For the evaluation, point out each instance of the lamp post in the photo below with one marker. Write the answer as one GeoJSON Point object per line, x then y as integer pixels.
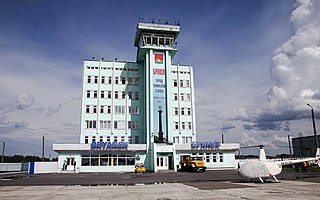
{"type": "Point", "coordinates": [290, 145]}
{"type": "Point", "coordinates": [43, 147]}
{"type": "Point", "coordinates": [3, 146]}
{"type": "Point", "coordinates": [314, 127]}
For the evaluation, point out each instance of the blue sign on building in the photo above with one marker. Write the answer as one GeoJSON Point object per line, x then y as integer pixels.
{"type": "Point", "coordinates": [214, 144]}
{"type": "Point", "coordinates": [109, 145]}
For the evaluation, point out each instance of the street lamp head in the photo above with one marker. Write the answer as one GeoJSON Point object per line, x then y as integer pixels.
{"type": "Point", "coordinates": [309, 105]}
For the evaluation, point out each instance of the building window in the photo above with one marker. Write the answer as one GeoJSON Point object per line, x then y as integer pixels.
{"type": "Point", "coordinates": [119, 125]}
{"type": "Point", "coordinates": [175, 97]}
{"type": "Point", "coordinates": [91, 124]}
{"type": "Point", "coordinates": [88, 93]}
{"type": "Point", "coordinates": [116, 80]}
{"type": "Point", "coordinates": [183, 126]}
{"type": "Point", "coordinates": [95, 79]}
{"type": "Point", "coordinates": [182, 97]}
{"type": "Point", "coordinates": [108, 160]}
{"type": "Point", "coordinates": [187, 83]}
{"type": "Point", "coordinates": [89, 79]}
{"type": "Point", "coordinates": [134, 110]}
{"type": "Point", "coordinates": [109, 80]}
{"type": "Point", "coordinates": [214, 157]}
{"type": "Point", "coordinates": [220, 157]}
{"type": "Point", "coordinates": [136, 139]}
{"type": "Point", "coordinates": [86, 139]}
{"type": "Point", "coordinates": [105, 124]}
{"type": "Point", "coordinates": [93, 138]}
{"type": "Point", "coordinates": [108, 139]}
{"type": "Point", "coordinates": [183, 140]}
{"type": "Point", "coordinates": [109, 94]}
{"type": "Point", "coordinates": [109, 109]}
{"type": "Point", "coordinates": [102, 94]}
{"type": "Point", "coordinates": [176, 111]}
{"type": "Point", "coordinates": [122, 138]}
{"type": "Point", "coordinates": [188, 97]}
{"type": "Point", "coordinates": [120, 109]}
{"type": "Point", "coordinates": [207, 157]}
{"type": "Point", "coordinates": [123, 80]}
{"type": "Point", "coordinates": [182, 111]}
{"type": "Point", "coordinates": [95, 94]}
{"type": "Point", "coordinates": [94, 109]}
{"type": "Point", "coordinates": [87, 109]}
{"type": "Point", "coordinates": [181, 83]}
{"type": "Point", "coordinates": [103, 79]}
{"type": "Point", "coordinates": [123, 95]}
{"type": "Point", "coordinates": [176, 125]}
{"type": "Point", "coordinates": [175, 83]}
{"type": "Point", "coordinates": [133, 125]}
{"type": "Point", "coordinates": [101, 139]}
{"type": "Point", "coordinates": [130, 140]}
{"type": "Point", "coordinates": [133, 95]}
{"type": "Point", "coordinates": [189, 111]}
{"type": "Point", "coordinates": [189, 125]}
{"type": "Point", "coordinates": [116, 95]}
{"type": "Point", "coordinates": [176, 140]}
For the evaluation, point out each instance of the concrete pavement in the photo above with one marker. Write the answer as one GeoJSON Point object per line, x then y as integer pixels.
{"type": "Point", "coordinates": [167, 191]}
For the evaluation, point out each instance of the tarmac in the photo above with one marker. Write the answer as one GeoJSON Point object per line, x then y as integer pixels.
{"type": "Point", "coordinates": [166, 191]}
{"type": "Point", "coordinates": [211, 185]}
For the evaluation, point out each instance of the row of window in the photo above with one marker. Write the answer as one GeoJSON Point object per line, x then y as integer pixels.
{"type": "Point", "coordinates": [116, 68]}
{"type": "Point", "coordinates": [214, 157]}
{"type": "Point", "coordinates": [157, 40]}
{"type": "Point", "coordinates": [117, 80]}
{"type": "Point", "coordinates": [184, 126]}
{"type": "Point", "coordinates": [182, 140]}
{"type": "Point", "coordinates": [129, 139]}
{"type": "Point", "coordinates": [183, 83]}
{"type": "Point", "coordinates": [134, 110]}
{"type": "Point", "coordinates": [184, 111]}
{"type": "Point", "coordinates": [132, 69]}
{"type": "Point", "coordinates": [108, 160]}
{"type": "Point", "coordinates": [104, 94]}
{"type": "Point", "coordinates": [106, 124]}
{"type": "Point", "coordinates": [183, 97]}
{"type": "Point", "coordinates": [181, 72]}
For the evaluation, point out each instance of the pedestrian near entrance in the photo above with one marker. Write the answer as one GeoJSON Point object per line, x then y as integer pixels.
{"type": "Point", "coordinates": [64, 165]}
{"type": "Point", "coordinates": [74, 165]}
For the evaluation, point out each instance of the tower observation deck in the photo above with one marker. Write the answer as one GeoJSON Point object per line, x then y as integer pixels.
{"type": "Point", "coordinates": [160, 37]}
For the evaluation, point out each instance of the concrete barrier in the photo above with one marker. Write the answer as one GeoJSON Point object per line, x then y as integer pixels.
{"type": "Point", "coordinates": [13, 167]}
{"type": "Point", "coordinates": [43, 167]}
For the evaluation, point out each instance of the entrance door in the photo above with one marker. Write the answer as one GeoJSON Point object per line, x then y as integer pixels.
{"type": "Point", "coordinates": [162, 163]}
{"type": "Point", "coordinates": [70, 164]}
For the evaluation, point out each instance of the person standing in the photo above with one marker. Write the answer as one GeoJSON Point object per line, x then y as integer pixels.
{"type": "Point", "coordinates": [74, 165]}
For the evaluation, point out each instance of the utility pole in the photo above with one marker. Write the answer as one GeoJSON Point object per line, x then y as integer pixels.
{"type": "Point", "coordinates": [289, 146]}
{"type": "Point", "coordinates": [314, 127]}
{"type": "Point", "coordinates": [43, 147]}
{"type": "Point", "coordinates": [3, 147]}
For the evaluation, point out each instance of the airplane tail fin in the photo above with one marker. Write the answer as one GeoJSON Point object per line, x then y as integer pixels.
{"type": "Point", "coordinates": [318, 153]}
{"type": "Point", "coordinates": [262, 155]}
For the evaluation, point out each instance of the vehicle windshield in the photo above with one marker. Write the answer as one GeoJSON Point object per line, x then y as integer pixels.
{"type": "Point", "coordinates": [196, 158]}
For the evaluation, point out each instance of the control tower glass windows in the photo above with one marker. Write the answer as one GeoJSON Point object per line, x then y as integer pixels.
{"type": "Point", "coordinates": [149, 39]}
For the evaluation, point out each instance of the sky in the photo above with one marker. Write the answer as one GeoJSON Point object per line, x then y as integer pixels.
{"type": "Point", "coordinates": [256, 64]}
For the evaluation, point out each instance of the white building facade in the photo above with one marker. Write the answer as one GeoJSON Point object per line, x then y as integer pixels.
{"type": "Point", "coordinates": [140, 112]}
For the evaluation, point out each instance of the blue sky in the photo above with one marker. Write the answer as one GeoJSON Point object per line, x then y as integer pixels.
{"type": "Point", "coordinates": [255, 64]}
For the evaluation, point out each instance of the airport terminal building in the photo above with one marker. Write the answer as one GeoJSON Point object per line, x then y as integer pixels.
{"type": "Point", "coordinates": [140, 112]}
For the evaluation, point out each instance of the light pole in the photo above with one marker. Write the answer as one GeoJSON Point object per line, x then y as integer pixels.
{"type": "Point", "coordinates": [290, 145]}
{"type": "Point", "coordinates": [3, 146]}
{"type": "Point", "coordinates": [314, 127]}
{"type": "Point", "coordinates": [43, 147]}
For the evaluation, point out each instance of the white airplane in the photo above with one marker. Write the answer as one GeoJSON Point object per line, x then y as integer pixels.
{"type": "Point", "coordinates": [264, 168]}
